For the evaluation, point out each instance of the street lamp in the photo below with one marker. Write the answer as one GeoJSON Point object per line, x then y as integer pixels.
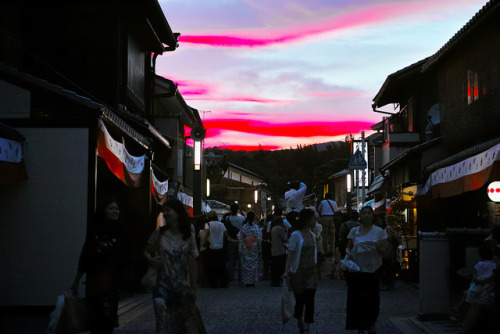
{"type": "Point", "coordinates": [494, 194]}
{"type": "Point", "coordinates": [348, 189]}
{"type": "Point", "coordinates": [197, 155]}
{"type": "Point", "coordinates": [197, 135]}
{"type": "Point", "coordinates": [256, 196]}
{"type": "Point", "coordinates": [208, 187]}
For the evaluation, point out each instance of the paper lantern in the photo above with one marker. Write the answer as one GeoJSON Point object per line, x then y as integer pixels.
{"type": "Point", "coordinates": [494, 191]}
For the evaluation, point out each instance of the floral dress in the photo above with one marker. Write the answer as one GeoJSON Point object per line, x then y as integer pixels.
{"type": "Point", "coordinates": [250, 243]}
{"type": "Point", "coordinates": [174, 299]}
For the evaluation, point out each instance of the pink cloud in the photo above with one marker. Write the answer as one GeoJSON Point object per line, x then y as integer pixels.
{"type": "Point", "coordinates": [229, 98]}
{"type": "Point", "coordinates": [292, 129]}
{"type": "Point", "coordinates": [351, 19]}
{"type": "Point", "coordinates": [335, 94]}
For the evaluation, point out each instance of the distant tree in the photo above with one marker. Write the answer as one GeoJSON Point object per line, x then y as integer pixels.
{"type": "Point", "coordinates": [305, 163]}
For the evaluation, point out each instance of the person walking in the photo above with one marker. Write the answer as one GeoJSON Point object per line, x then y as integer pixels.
{"type": "Point", "coordinates": [172, 250]}
{"type": "Point", "coordinates": [366, 244]}
{"type": "Point", "coordinates": [327, 209]}
{"type": "Point", "coordinates": [278, 250]}
{"type": "Point", "coordinates": [294, 196]}
{"type": "Point", "coordinates": [102, 258]}
{"type": "Point", "coordinates": [345, 228]}
{"type": "Point", "coordinates": [250, 237]}
{"type": "Point", "coordinates": [233, 225]}
{"type": "Point", "coordinates": [266, 247]}
{"type": "Point", "coordinates": [216, 231]}
{"type": "Point", "coordinates": [300, 268]}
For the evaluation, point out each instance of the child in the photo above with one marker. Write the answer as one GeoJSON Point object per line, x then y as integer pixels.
{"type": "Point", "coordinates": [481, 292]}
{"type": "Point", "coordinates": [481, 288]}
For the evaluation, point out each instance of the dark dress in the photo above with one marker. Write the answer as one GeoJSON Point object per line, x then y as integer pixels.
{"type": "Point", "coordinates": [101, 259]}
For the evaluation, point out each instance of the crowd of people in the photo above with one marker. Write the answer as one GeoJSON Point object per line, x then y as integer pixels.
{"type": "Point", "coordinates": [285, 246]}
{"type": "Point", "coordinates": [293, 245]}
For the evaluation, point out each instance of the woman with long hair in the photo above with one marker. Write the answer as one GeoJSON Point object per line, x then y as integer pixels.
{"type": "Point", "coordinates": [366, 244]}
{"type": "Point", "coordinates": [172, 251]}
{"type": "Point", "coordinates": [102, 259]}
{"type": "Point", "coordinates": [250, 237]}
{"type": "Point", "coordinates": [301, 268]}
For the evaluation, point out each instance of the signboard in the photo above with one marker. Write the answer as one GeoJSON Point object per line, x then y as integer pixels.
{"type": "Point", "coordinates": [357, 161]}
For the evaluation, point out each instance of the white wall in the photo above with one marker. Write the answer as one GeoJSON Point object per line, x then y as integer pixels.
{"type": "Point", "coordinates": [43, 219]}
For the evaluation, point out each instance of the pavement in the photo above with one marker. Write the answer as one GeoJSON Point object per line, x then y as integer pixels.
{"type": "Point", "coordinates": [248, 310]}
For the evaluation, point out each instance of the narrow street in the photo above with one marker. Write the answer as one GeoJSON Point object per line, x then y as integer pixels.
{"type": "Point", "coordinates": [240, 309]}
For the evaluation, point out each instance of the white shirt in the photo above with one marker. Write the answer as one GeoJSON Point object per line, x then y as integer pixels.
{"type": "Point", "coordinates": [295, 249]}
{"type": "Point", "coordinates": [285, 223]}
{"type": "Point", "coordinates": [294, 198]}
{"type": "Point", "coordinates": [217, 230]}
{"type": "Point", "coordinates": [325, 209]}
{"type": "Point", "coordinates": [364, 251]}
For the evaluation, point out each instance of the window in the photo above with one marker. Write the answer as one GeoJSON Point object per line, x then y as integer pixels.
{"type": "Point", "coordinates": [475, 87]}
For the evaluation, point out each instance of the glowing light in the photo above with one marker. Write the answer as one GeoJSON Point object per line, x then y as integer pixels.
{"type": "Point", "coordinates": [349, 183]}
{"type": "Point", "coordinates": [197, 155]}
{"type": "Point", "coordinates": [208, 187]}
{"type": "Point", "coordinates": [494, 191]}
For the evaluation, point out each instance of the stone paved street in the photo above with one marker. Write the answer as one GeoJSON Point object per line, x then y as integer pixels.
{"type": "Point", "coordinates": [240, 309]}
{"type": "Point", "coordinates": [244, 310]}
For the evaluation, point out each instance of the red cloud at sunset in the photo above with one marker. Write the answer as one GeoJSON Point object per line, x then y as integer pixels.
{"type": "Point", "coordinates": [296, 130]}
{"type": "Point", "coordinates": [251, 147]}
{"type": "Point", "coordinates": [196, 90]}
{"type": "Point", "coordinates": [237, 99]}
{"type": "Point", "coordinates": [352, 19]}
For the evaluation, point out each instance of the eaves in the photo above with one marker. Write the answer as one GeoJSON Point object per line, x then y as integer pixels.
{"type": "Point", "coordinates": [406, 154]}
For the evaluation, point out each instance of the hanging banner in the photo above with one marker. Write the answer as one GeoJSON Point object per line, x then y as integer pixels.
{"type": "Point", "coordinates": [467, 175]}
{"type": "Point", "coordinates": [123, 165]}
{"type": "Point", "coordinates": [187, 201]}
{"type": "Point", "coordinates": [159, 190]}
{"type": "Point", "coordinates": [12, 167]}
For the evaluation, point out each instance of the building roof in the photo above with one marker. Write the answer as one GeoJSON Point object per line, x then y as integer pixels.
{"type": "Point", "coordinates": [480, 16]}
{"type": "Point", "coordinates": [462, 155]}
{"type": "Point", "coordinates": [166, 93]}
{"type": "Point", "coordinates": [30, 82]}
{"type": "Point", "coordinates": [402, 157]}
{"type": "Point", "coordinates": [161, 26]}
{"type": "Point", "coordinates": [339, 174]}
{"type": "Point", "coordinates": [396, 84]}
{"type": "Point", "coordinates": [246, 171]}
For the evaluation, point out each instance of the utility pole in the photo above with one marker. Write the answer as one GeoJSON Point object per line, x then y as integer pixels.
{"type": "Point", "coordinates": [363, 173]}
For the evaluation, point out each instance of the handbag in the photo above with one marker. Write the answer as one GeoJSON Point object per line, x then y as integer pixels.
{"type": "Point", "coordinates": [71, 315]}
{"type": "Point", "coordinates": [287, 303]}
{"type": "Point", "coordinates": [75, 315]}
{"type": "Point", "coordinates": [347, 264]}
{"type": "Point", "coordinates": [151, 277]}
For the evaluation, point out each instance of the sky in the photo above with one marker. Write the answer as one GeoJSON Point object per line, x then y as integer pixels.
{"type": "Point", "coordinates": [276, 74]}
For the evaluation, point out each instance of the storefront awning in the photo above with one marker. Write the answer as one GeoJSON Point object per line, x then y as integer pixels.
{"type": "Point", "coordinates": [377, 183]}
{"type": "Point", "coordinates": [466, 175]}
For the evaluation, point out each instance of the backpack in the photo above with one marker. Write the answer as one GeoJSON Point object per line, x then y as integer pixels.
{"type": "Point", "coordinates": [232, 230]}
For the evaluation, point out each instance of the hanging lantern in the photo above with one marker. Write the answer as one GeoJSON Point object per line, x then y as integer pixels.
{"type": "Point", "coordinates": [494, 191]}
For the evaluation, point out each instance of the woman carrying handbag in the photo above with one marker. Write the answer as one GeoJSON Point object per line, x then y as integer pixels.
{"type": "Point", "coordinates": [174, 296]}
{"type": "Point", "coordinates": [300, 268]}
